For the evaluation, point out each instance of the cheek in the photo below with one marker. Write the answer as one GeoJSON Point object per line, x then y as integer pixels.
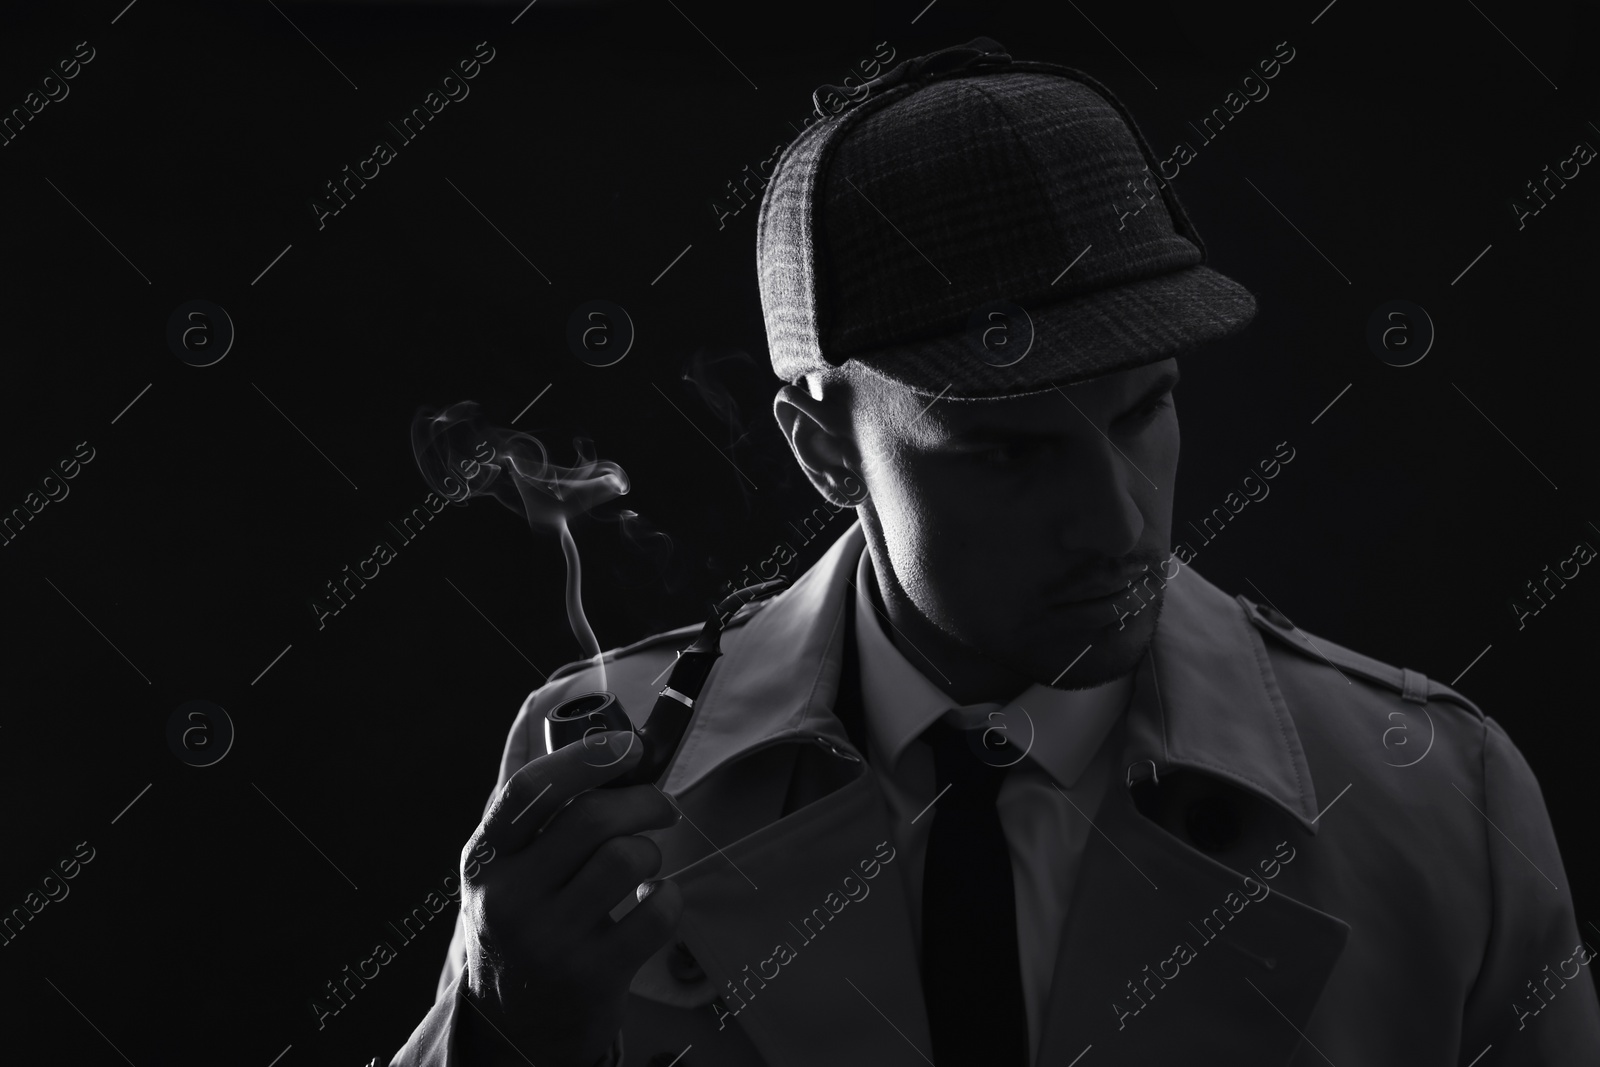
{"type": "Point", "coordinates": [1156, 453]}
{"type": "Point", "coordinates": [904, 516]}
{"type": "Point", "coordinates": [1172, 441]}
{"type": "Point", "coordinates": [948, 540]}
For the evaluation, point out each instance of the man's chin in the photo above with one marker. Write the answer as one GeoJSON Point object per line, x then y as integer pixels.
{"type": "Point", "coordinates": [1095, 657]}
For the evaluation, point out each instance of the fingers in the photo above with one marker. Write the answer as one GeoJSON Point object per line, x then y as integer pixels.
{"type": "Point", "coordinates": [595, 817]}
{"type": "Point", "coordinates": [540, 787]}
{"type": "Point", "coordinates": [610, 875]}
{"type": "Point", "coordinates": [640, 933]}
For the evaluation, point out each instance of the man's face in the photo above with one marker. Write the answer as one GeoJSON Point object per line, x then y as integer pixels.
{"type": "Point", "coordinates": [1015, 526]}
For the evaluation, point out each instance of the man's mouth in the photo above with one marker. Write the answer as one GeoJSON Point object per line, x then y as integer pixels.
{"type": "Point", "coordinates": [1103, 592]}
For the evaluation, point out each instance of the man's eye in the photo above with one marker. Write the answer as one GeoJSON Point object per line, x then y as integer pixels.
{"type": "Point", "coordinates": [1004, 454]}
{"type": "Point", "coordinates": [1150, 410]}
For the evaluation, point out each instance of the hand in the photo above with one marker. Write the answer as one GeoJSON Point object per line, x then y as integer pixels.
{"type": "Point", "coordinates": [546, 966]}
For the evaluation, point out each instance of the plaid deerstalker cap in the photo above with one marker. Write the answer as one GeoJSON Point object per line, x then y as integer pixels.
{"type": "Point", "coordinates": [964, 228]}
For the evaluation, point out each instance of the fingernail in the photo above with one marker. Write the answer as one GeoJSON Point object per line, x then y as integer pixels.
{"type": "Point", "coordinates": [645, 889]}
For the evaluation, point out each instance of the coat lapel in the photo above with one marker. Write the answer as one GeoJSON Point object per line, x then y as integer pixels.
{"type": "Point", "coordinates": [1169, 956]}
{"type": "Point", "coordinates": [803, 930]}
{"type": "Point", "coordinates": [794, 905]}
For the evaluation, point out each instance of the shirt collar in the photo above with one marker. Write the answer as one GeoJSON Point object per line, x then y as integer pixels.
{"type": "Point", "coordinates": [1067, 726]}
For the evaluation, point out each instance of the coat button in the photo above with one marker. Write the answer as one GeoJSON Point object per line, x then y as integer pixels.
{"type": "Point", "coordinates": [1268, 962]}
{"type": "Point", "coordinates": [682, 965]}
{"type": "Point", "coordinates": [1212, 823]}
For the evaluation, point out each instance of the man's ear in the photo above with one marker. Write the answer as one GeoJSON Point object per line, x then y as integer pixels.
{"type": "Point", "coordinates": [822, 438]}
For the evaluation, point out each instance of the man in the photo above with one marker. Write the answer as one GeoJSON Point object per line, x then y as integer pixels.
{"type": "Point", "coordinates": [1001, 779]}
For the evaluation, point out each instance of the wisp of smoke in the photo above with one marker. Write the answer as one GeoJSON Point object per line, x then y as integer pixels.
{"type": "Point", "coordinates": [462, 455]}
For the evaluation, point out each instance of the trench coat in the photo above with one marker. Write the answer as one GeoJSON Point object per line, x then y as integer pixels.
{"type": "Point", "coordinates": [1307, 857]}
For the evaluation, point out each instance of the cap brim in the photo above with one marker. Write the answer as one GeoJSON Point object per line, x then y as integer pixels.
{"type": "Point", "coordinates": [1073, 340]}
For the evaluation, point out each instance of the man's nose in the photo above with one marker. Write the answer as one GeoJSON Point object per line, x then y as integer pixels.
{"type": "Point", "coordinates": [1102, 516]}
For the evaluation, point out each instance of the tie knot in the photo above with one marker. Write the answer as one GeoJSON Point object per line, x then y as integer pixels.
{"type": "Point", "coordinates": [970, 758]}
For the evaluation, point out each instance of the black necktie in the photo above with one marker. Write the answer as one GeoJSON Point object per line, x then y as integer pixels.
{"type": "Point", "coordinates": [971, 974]}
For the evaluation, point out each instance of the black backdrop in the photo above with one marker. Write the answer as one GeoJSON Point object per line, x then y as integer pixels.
{"type": "Point", "coordinates": [183, 560]}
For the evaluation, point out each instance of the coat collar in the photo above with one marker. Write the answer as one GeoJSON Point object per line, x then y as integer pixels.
{"type": "Point", "coordinates": [1207, 698]}
{"type": "Point", "coordinates": [761, 868]}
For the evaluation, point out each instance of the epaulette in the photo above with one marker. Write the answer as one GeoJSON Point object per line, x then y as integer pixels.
{"type": "Point", "coordinates": [681, 634]}
{"type": "Point", "coordinates": [1413, 686]}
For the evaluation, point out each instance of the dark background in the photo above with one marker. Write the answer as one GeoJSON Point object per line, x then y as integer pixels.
{"type": "Point", "coordinates": [595, 140]}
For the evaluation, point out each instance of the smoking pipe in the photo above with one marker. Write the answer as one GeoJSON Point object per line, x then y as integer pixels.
{"type": "Point", "coordinates": [573, 720]}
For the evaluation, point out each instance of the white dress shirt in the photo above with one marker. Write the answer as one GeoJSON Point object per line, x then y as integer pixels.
{"type": "Point", "coordinates": [1045, 830]}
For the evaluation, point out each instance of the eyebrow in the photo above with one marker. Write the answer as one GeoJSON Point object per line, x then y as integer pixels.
{"type": "Point", "coordinates": [1161, 386]}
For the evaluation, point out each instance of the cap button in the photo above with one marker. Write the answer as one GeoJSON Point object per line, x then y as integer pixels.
{"type": "Point", "coordinates": [978, 52]}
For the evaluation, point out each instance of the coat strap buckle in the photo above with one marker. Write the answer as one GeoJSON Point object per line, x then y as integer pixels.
{"type": "Point", "coordinates": [1154, 777]}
